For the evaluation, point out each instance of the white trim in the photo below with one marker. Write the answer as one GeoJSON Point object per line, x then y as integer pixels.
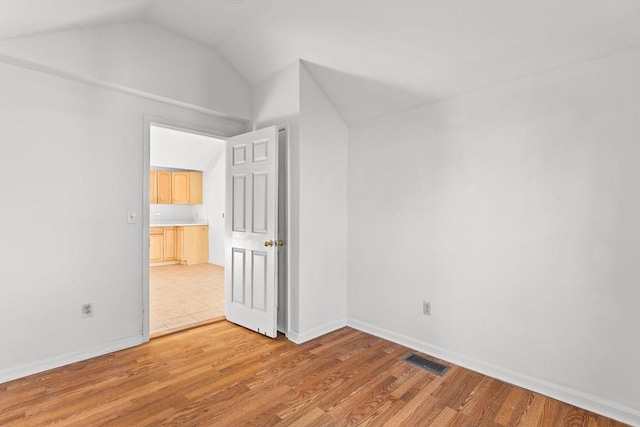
{"type": "Point", "coordinates": [565, 394]}
{"type": "Point", "coordinates": [299, 338]}
{"type": "Point", "coordinates": [189, 127]}
{"type": "Point", "coordinates": [290, 334]}
{"type": "Point", "coordinates": [34, 66]}
{"type": "Point", "coordinates": [58, 361]}
{"type": "Point", "coordinates": [146, 242]}
{"type": "Point", "coordinates": [285, 128]}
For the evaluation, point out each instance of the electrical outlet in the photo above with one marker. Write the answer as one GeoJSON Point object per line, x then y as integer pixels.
{"type": "Point", "coordinates": [426, 308]}
{"type": "Point", "coordinates": [87, 310]}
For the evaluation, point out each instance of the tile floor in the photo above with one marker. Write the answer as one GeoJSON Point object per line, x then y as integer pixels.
{"type": "Point", "coordinates": [180, 296]}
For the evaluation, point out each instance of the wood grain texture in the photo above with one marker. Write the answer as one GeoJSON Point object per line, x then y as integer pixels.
{"type": "Point", "coordinates": [153, 187]}
{"type": "Point", "coordinates": [195, 188]}
{"type": "Point", "coordinates": [224, 375]}
{"type": "Point", "coordinates": [195, 247]}
{"type": "Point", "coordinates": [180, 188]}
{"type": "Point", "coordinates": [163, 181]}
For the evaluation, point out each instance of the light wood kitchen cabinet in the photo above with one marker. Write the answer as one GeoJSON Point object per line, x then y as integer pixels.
{"type": "Point", "coordinates": [193, 247]}
{"type": "Point", "coordinates": [156, 244]}
{"type": "Point", "coordinates": [195, 188]}
{"type": "Point", "coordinates": [169, 243]}
{"type": "Point", "coordinates": [196, 245]}
{"type": "Point", "coordinates": [164, 189]}
{"type": "Point", "coordinates": [153, 187]}
{"type": "Point", "coordinates": [180, 243]}
{"type": "Point", "coordinates": [186, 245]}
{"type": "Point", "coordinates": [180, 188]}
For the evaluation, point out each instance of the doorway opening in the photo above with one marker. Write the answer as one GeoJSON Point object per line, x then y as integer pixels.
{"type": "Point", "coordinates": [187, 217]}
{"type": "Point", "coordinates": [186, 228]}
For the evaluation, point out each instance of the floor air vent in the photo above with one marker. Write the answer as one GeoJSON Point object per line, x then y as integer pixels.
{"type": "Point", "coordinates": [429, 365]}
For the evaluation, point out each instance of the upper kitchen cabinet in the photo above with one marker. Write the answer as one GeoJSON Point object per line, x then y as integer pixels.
{"type": "Point", "coordinates": [153, 187]}
{"type": "Point", "coordinates": [180, 188]}
{"type": "Point", "coordinates": [175, 187]}
{"type": "Point", "coordinates": [164, 187]}
{"type": "Point", "coordinates": [195, 188]}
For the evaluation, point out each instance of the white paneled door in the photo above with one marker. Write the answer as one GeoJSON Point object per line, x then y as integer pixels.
{"type": "Point", "coordinates": [251, 231]}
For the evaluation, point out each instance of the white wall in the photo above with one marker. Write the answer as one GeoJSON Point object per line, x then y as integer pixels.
{"type": "Point", "coordinates": [141, 56]}
{"type": "Point", "coordinates": [71, 167]}
{"type": "Point", "coordinates": [317, 198]}
{"type": "Point", "coordinates": [179, 149]}
{"type": "Point", "coordinates": [515, 211]}
{"type": "Point", "coordinates": [164, 212]}
{"type": "Point", "coordinates": [276, 101]}
{"type": "Point", "coordinates": [323, 212]}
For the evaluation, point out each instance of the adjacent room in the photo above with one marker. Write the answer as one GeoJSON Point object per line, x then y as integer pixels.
{"type": "Point", "coordinates": [186, 235]}
{"type": "Point", "coordinates": [403, 184]}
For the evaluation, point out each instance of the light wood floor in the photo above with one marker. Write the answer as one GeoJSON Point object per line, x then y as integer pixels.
{"type": "Point", "coordinates": [223, 375]}
{"type": "Point", "coordinates": [181, 296]}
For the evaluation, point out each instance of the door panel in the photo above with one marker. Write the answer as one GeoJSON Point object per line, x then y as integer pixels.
{"type": "Point", "coordinates": [260, 206]}
{"type": "Point", "coordinates": [238, 277]}
{"type": "Point", "coordinates": [252, 221]}
{"type": "Point", "coordinates": [239, 155]}
{"type": "Point", "coordinates": [239, 202]}
{"type": "Point", "coordinates": [259, 280]}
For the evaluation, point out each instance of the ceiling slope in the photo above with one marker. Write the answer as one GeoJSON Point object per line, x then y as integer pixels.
{"type": "Point", "coordinates": [371, 57]}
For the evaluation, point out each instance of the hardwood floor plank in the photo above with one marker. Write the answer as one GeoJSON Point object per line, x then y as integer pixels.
{"type": "Point", "coordinates": [533, 411]}
{"type": "Point", "coordinates": [466, 382]}
{"type": "Point", "coordinates": [324, 388]}
{"type": "Point", "coordinates": [514, 406]}
{"type": "Point", "coordinates": [364, 401]}
{"type": "Point", "coordinates": [425, 412]}
{"type": "Point", "coordinates": [308, 418]}
{"type": "Point", "coordinates": [225, 375]}
{"type": "Point", "coordinates": [489, 404]}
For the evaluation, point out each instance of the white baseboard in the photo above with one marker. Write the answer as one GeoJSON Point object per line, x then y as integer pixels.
{"type": "Point", "coordinates": [301, 337]}
{"type": "Point", "coordinates": [574, 397]}
{"type": "Point", "coordinates": [58, 361]}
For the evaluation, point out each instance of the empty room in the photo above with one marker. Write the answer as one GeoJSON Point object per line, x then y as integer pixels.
{"type": "Point", "coordinates": [320, 213]}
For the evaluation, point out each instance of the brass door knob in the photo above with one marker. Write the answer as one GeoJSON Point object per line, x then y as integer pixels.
{"type": "Point", "coordinates": [268, 243]}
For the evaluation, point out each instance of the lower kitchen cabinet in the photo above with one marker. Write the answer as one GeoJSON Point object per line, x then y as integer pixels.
{"type": "Point", "coordinates": [156, 244]}
{"type": "Point", "coordinates": [179, 243]}
{"type": "Point", "coordinates": [169, 243]}
{"type": "Point", "coordinates": [186, 245]}
{"type": "Point", "coordinates": [195, 245]}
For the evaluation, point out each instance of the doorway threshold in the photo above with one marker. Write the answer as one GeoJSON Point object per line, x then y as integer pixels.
{"type": "Point", "coordinates": [186, 327]}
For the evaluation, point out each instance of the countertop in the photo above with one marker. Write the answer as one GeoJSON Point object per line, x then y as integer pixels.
{"type": "Point", "coordinates": [177, 223]}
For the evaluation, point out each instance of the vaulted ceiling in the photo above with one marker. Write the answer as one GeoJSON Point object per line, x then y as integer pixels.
{"type": "Point", "coordinates": [370, 57]}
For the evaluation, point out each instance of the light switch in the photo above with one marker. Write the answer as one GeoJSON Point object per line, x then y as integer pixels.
{"type": "Point", "coordinates": [131, 217]}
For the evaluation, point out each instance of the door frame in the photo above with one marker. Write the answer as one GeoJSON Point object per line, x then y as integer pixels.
{"type": "Point", "coordinates": [284, 203]}
{"type": "Point", "coordinates": [146, 168]}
